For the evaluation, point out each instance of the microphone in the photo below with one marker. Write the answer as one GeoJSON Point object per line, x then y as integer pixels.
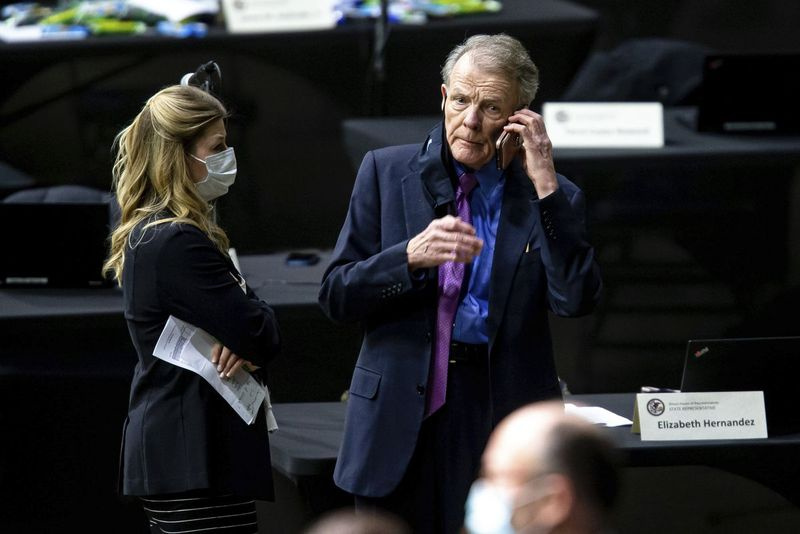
{"type": "Point", "coordinates": [207, 77]}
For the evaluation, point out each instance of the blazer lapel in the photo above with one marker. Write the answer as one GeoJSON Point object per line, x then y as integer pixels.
{"type": "Point", "coordinates": [427, 189]}
{"type": "Point", "coordinates": [517, 219]}
{"type": "Point", "coordinates": [418, 206]}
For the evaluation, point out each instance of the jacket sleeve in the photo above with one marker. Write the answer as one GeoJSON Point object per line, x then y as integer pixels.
{"type": "Point", "coordinates": [574, 283]}
{"type": "Point", "coordinates": [366, 276]}
{"type": "Point", "coordinates": [196, 284]}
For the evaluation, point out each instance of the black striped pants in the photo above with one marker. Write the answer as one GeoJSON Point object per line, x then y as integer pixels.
{"type": "Point", "coordinates": [200, 512]}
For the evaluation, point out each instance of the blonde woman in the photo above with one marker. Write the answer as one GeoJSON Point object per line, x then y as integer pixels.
{"type": "Point", "coordinates": [193, 462]}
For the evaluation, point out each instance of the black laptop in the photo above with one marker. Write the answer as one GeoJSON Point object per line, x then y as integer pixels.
{"type": "Point", "coordinates": [767, 364]}
{"type": "Point", "coordinates": [753, 93]}
{"type": "Point", "coordinates": [53, 244]}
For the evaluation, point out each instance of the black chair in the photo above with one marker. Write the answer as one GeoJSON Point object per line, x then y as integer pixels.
{"type": "Point", "coordinates": [641, 70]}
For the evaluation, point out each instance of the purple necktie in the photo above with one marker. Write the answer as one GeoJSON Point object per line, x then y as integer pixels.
{"type": "Point", "coordinates": [450, 276]}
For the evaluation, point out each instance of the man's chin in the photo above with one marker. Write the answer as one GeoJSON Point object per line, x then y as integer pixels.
{"type": "Point", "coordinates": [470, 158]}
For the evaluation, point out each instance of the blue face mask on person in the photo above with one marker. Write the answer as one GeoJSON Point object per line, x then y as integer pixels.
{"type": "Point", "coordinates": [221, 169]}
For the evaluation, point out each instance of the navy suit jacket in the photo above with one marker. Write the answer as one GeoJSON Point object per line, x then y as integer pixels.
{"type": "Point", "coordinates": [542, 263]}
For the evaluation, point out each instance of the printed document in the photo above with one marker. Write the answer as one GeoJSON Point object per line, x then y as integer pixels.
{"type": "Point", "coordinates": [189, 347]}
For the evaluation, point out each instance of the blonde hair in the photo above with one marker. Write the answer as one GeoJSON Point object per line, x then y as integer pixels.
{"type": "Point", "coordinates": [151, 174]}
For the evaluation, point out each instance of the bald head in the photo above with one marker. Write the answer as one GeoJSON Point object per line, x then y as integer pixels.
{"type": "Point", "coordinates": [541, 441]}
{"type": "Point", "coordinates": [347, 521]}
{"type": "Point", "coordinates": [517, 447]}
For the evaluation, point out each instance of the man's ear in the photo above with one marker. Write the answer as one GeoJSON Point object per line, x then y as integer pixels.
{"type": "Point", "coordinates": [552, 509]}
{"type": "Point", "coordinates": [444, 95]}
{"type": "Point", "coordinates": [561, 504]}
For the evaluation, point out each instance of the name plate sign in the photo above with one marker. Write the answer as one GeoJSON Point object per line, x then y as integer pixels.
{"type": "Point", "coordinates": [250, 16]}
{"type": "Point", "coordinates": [707, 415]}
{"type": "Point", "coordinates": [604, 125]}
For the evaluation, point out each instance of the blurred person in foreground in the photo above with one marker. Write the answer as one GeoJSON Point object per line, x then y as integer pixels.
{"type": "Point", "coordinates": [346, 521]}
{"type": "Point", "coordinates": [194, 463]}
{"type": "Point", "coordinates": [451, 263]}
{"type": "Point", "coordinates": [544, 471]}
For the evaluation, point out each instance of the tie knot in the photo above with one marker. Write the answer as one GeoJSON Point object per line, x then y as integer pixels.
{"type": "Point", "coordinates": [467, 182]}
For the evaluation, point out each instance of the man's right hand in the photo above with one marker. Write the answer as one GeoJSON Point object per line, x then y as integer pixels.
{"type": "Point", "coordinates": [445, 239]}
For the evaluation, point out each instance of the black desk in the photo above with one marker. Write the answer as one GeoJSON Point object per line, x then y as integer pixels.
{"type": "Point", "coordinates": [86, 331]}
{"type": "Point", "coordinates": [693, 174]}
{"type": "Point", "coordinates": [283, 88]}
{"type": "Point", "coordinates": [270, 277]}
{"type": "Point", "coordinates": [558, 32]}
{"type": "Point", "coordinates": [684, 145]}
{"type": "Point", "coordinates": [65, 367]}
{"type": "Point", "coordinates": [305, 448]}
{"type": "Point", "coordinates": [310, 433]}
{"type": "Point", "coordinates": [672, 227]}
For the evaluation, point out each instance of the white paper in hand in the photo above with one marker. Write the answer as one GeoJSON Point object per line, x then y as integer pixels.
{"type": "Point", "coordinates": [189, 347]}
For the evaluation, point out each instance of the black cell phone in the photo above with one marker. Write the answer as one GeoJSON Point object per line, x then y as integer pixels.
{"type": "Point", "coordinates": [507, 146]}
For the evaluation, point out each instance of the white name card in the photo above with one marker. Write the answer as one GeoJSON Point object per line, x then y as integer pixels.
{"type": "Point", "coordinates": [253, 16]}
{"type": "Point", "coordinates": [604, 125]}
{"type": "Point", "coordinates": [711, 415]}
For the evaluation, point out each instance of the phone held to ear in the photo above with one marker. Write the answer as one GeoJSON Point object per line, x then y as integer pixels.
{"type": "Point", "coordinates": [507, 146]}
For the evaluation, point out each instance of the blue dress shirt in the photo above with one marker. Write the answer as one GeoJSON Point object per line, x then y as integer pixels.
{"type": "Point", "coordinates": [485, 202]}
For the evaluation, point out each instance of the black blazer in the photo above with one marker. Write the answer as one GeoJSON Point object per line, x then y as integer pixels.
{"type": "Point", "coordinates": [542, 263]}
{"type": "Point", "coordinates": [180, 434]}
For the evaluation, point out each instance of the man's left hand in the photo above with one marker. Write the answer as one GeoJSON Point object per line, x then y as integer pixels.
{"type": "Point", "coordinates": [536, 151]}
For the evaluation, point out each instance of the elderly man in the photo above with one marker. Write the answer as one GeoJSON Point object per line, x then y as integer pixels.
{"type": "Point", "coordinates": [544, 472]}
{"type": "Point", "coordinates": [451, 265]}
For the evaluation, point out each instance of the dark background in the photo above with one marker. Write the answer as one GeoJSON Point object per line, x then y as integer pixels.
{"type": "Point", "coordinates": [668, 278]}
{"type": "Point", "coordinates": [686, 252]}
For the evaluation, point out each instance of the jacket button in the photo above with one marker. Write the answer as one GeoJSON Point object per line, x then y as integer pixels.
{"type": "Point", "coordinates": [420, 389]}
{"type": "Point", "coordinates": [428, 336]}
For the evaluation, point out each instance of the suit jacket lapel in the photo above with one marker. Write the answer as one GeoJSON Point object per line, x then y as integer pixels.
{"type": "Point", "coordinates": [517, 219]}
{"type": "Point", "coordinates": [418, 206]}
{"type": "Point", "coordinates": [427, 189]}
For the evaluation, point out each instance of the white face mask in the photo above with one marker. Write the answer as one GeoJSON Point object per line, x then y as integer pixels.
{"type": "Point", "coordinates": [490, 510]}
{"type": "Point", "coordinates": [221, 169]}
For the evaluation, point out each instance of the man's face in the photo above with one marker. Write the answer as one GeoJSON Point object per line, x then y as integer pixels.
{"type": "Point", "coordinates": [510, 465]}
{"type": "Point", "coordinates": [476, 106]}
{"type": "Point", "coordinates": [507, 468]}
